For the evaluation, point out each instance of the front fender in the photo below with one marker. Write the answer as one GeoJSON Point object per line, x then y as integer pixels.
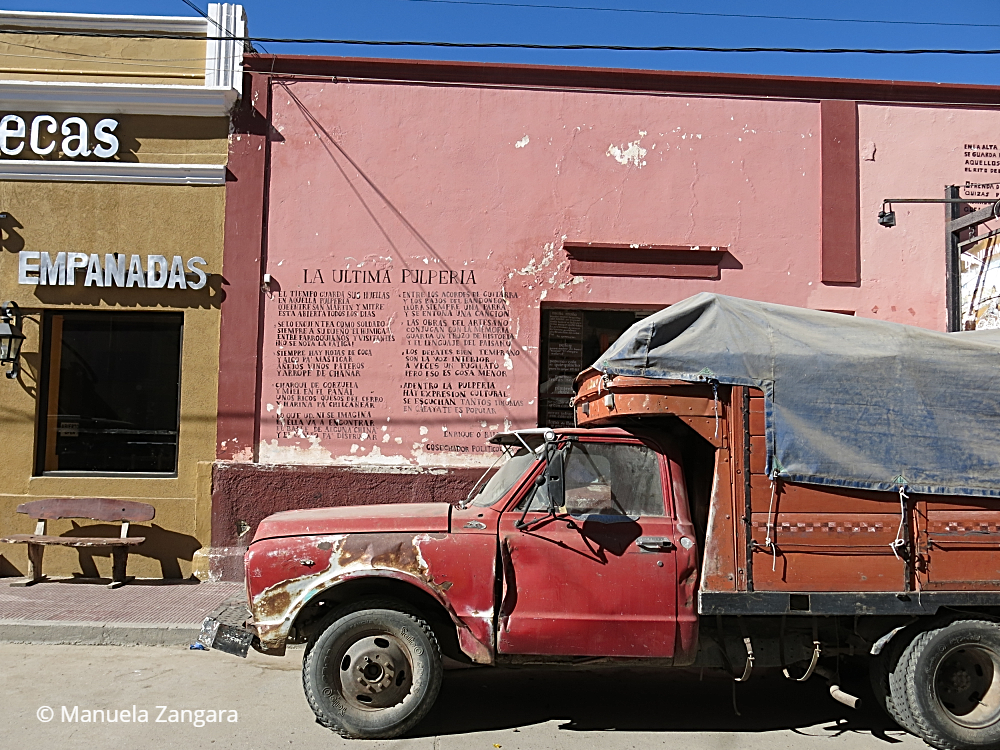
{"type": "Point", "coordinates": [437, 564]}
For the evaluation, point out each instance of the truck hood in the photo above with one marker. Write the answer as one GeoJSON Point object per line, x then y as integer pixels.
{"type": "Point", "coordinates": [402, 517]}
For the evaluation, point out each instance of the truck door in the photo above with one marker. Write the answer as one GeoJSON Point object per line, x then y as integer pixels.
{"type": "Point", "coordinates": [599, 578]}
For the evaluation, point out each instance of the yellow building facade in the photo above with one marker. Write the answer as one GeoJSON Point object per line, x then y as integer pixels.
{"type": "Point", "coordinates": [113, 145]}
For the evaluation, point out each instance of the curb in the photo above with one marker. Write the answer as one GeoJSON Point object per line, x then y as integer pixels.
{"type": "Point", "coordinates": [98, 633]}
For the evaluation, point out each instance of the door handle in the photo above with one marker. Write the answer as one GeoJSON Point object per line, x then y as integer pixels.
{"type": "Point", "coordinates": [655, 544]}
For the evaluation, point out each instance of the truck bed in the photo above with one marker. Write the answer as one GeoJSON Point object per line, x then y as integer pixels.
{"type": "Point", "coordinates": [796, 539]}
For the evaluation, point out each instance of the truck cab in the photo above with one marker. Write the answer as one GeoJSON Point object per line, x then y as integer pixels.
{"type": "Point", "coordinates": [579, 545]}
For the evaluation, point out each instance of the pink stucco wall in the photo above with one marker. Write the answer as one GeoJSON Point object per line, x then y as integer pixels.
{"type": "Point", "coordinates": [398, 179]}
{"type": "Point", "coordinates": [915, 151]}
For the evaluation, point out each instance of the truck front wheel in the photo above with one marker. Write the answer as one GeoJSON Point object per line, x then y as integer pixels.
{"type": "Point", "coordinates": [373, 672]}
{"type": "Point", "coordinates": [953, 685]}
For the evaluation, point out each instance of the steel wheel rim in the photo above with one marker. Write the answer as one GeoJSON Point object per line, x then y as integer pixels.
{"type": "Point", "coordinates": [966, 685]}
{"type": "Point", "coordinates": [374, 672]}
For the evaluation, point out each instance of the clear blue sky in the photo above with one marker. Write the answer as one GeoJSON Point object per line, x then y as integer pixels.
{"type": "Point", "coordinates": [449, 21]}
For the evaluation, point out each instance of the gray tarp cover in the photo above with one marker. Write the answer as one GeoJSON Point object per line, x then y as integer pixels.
{"type": "Point", "coordinates": [848, 401]}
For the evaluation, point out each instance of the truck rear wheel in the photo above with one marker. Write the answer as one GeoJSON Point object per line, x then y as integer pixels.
{"type": "Point", "coordinates": [373, 672]}
{"type": "Point", "coordinates": [953, 684]}
{"type": "Point", "coordinates": [879, 668]}
{"type": "Point", "coordinates": [897, 701]}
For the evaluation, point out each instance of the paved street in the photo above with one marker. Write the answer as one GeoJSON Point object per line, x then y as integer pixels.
{"type": "Point", "coordinates": [478, 708]}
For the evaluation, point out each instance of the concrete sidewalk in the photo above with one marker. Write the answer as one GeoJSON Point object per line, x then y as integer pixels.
{"type": "Point", "coordinates": [142, 612]}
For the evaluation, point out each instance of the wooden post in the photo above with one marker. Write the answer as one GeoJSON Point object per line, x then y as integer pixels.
{"type": "Point", "coordinates": [34, 565]}
{"type": "Point", "coordinates": [119, 561]}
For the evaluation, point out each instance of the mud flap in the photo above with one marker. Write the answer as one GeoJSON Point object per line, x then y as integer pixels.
{"type": "Point", "coordinates": [225, 638]}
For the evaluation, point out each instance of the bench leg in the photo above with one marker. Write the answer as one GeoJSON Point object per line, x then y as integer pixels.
{"type": "Point", "coordinates": [34, 565]}
{"type": "Point", "coordinates": [119, 561]}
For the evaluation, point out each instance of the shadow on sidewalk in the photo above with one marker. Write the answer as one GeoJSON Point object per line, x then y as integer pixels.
{"type": "Point", "coordinates": [616, 699]}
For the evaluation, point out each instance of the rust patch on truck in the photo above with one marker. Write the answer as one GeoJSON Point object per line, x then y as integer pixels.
{"type": "Point", "coordinates": [274, 602]}
{"type": "Point", "coordinates": [396, 551]}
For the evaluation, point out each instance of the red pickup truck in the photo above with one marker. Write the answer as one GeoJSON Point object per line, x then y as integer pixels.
{"type": "Point", "coordinates": [580, 548]}
{"type": "Point", "coordinates": [663, 531]}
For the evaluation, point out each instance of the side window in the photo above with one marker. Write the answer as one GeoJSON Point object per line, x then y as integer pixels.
{"type": "Point", "coordinates": [609, 479]}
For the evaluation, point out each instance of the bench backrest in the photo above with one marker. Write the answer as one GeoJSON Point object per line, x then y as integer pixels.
{"type": "Point", "coordinates": [94, 508]}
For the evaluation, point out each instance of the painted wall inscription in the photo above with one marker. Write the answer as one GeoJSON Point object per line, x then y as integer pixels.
{"type": "Point", "coordinates": [366, 363]}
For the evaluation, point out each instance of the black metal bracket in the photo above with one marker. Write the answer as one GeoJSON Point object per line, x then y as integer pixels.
{"type": "Point", "coordinates": [955, 222]}
{"type": "Point", "coordinates": [10, 318]}
{"type": "Point", "coordinates": [887, 217]}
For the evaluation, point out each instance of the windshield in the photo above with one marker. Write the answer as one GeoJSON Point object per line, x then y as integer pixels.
{"type": "Point", "coordinates": [505, 478]}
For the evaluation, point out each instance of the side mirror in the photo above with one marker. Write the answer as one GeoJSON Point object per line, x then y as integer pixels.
{"type": "Point", "coordinates": [553, 477]}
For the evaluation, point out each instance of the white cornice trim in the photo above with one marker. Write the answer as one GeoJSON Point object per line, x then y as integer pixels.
{"type": "Point", "coordinates": [100, 22]}
{"type": "Point", "coordinates": [116, 98]}
{"type": "Point", "coordinates": [16, 170]}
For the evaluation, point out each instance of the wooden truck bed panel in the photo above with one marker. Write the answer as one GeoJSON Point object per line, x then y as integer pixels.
{"type": "Point", "coordinates": [719, 566]}
{"type": "Point", "coordinates": [959, 548]}
{"type": "Point", "coordinates": [826, 552]}
{"type": "Point", "coordinates": [758, 455]}
{"type": "Point", "coordinates": [806, 498]}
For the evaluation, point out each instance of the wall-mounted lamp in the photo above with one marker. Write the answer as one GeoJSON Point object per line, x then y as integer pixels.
{"type": "Point", "coordinates": [11, 338]}
{"type": "Point", "coordinates": [887, 218]}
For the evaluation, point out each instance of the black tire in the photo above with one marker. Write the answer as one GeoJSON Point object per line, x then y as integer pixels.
{"type": "Point", "coordinates": [373, 671]}
{"type": "Point", "coordinates": [891, 681]}
{"type": "Point", "coordinates": [878, 673]}
{"type": "Point", "coordinates": [953, 685]}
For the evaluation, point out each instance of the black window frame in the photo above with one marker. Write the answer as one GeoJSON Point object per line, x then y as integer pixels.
{"type": "Point", "coordinates": [42, 432]}
{"type": "Point", "coordinates": [551, 406]}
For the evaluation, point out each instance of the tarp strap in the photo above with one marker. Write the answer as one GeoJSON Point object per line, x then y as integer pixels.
{"type": "Point", "coordinates": [769, 540]}
{"type": "Point", "coordinates": [900, 541]}
{"type": "Point", "coordinates": [748, 667]}
{"type": "Point", "coordinates": [715, 396]}
{"type": "Point", "coordinates": [817, 651]}
{"type": "Point", "coordinates": [750, 658]}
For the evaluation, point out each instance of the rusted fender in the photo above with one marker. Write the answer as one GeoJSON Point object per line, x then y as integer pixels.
{"type": "Point", "coordinates": [284, 574]}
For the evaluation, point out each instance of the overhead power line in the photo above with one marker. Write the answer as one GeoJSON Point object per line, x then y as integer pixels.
{"type": "Point", "coordinates": [215, 23]}
{"type": "Point", "coordinates": [630, 48]}
{"type": "Point", "coordinates": [541, 6]}
{"type": "Point", "coordinates": [513, 45]}
{"type": "Point", "coordinates": [199, 11]}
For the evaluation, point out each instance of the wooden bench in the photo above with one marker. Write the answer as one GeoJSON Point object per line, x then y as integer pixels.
{"type": "Point", "coordinates": [94, 508]}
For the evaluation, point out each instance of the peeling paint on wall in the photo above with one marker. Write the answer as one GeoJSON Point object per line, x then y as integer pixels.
{"type": "Point", "coordinates": [633, 153]}
{"type": "Point", "coordinates": [271, 452]}
{"type": "Point", "coordinates": [243, 456]}
{"type": "Point", "coordinates": [534, 267]}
